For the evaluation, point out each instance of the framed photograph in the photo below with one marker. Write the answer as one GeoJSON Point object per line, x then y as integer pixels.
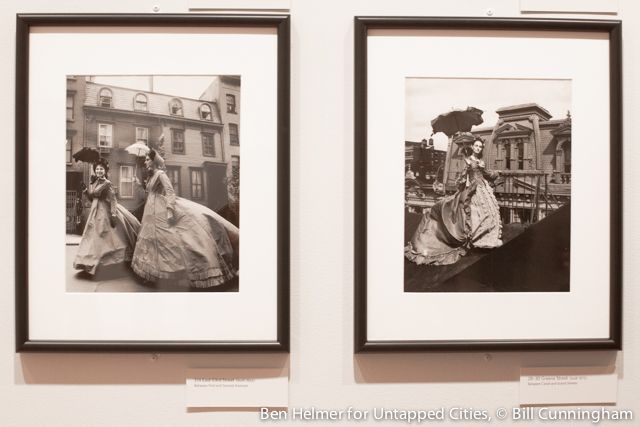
{"type": "Point", "coordinates": [488, 184]}
{"type": "Point", "coordinates": [156, 113]}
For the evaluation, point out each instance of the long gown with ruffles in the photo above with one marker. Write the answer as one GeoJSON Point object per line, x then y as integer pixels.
{"type": "Point", "coordinates": [103, 244]}
{"type": "Point", "coordinates": [469, 218]}
{"type": "Point", "coordinates": [181, 239]}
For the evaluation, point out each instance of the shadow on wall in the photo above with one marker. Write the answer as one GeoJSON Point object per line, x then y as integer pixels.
{"type": "Point", "coordinates": [143, 368]}
{"type": "Point", "coordinates": [467, 367]}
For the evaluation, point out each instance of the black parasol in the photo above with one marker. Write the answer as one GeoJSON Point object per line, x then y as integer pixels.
{"type": "Point", "coordinates": [457, 121]}
{"type": "Point", "coordinates": [87, 154]}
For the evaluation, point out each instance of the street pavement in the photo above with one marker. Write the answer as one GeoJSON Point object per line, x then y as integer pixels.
{"type": "Point", "coordinates": [121, 278]}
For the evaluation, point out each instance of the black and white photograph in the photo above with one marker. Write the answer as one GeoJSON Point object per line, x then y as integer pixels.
{"type": "Point", "coordinates": [152, 183]}
{"type": "Point", "coordinates": [148, 185]}
{"type": "Point", "coordinates": [487, 185]}
{"type": "Point", "coordinates": [479, 224]}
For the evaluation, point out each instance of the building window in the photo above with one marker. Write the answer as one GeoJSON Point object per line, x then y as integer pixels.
{"type": "Point", "coordinates": [507, 156]}
{"type": "Point", "coordinates": [126, 182]}
{"type": "Point", "coordinates": [196, 184]}
{"type": "Point", "coordinates": [231, 103]}
{"type": "Point", "coordinates": [205, 112]}
{"type": "Point", "coordinates": [142, 135]}
{"type": "Point", "coordinates": [234, 138]}
{"type": "Point", "coordinates": [173, 172]}
{"type": "Point", "coordinates": [235, 167]}
{"type": "Point", "coordinates": [175, 107]}
{"type": "Point", "coordinates": [105, 135]}
{"type": "Point", "coordinates": [68, 148]}
{"type": "Point", "coordinates": [177, 141]}
{"type": "Point", "coordinates": [105, 98]}
{"type": "Point", "coordinates": [69, 108]}
{"type": "Point", "coordinates": [208, 148]}
{"type": "Point", "coordinates": [520, 155]}
{"type": "Point", "coordinates": [567, 156]}
{"type": "Point", "coordinates": [140, 102]}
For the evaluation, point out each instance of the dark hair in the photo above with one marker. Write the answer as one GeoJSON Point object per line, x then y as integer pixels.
{"type": "Point", "coordinates": [152, 154]}
{"type": "Point", "coordinates": [467, 150]}
{"type": "Point", "coordinates": [102, 162]}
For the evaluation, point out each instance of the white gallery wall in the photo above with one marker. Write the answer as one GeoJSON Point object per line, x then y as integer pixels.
{"type": "Point", "coordinates": [148, 390]}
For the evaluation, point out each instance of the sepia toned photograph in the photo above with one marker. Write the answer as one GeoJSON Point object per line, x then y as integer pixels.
{"type": "Point", "coordinates": [475, 215]}
{"type": "Point", "coordinates": [487, 185]}
{"type": "Point", "coordinates": [152, 183]}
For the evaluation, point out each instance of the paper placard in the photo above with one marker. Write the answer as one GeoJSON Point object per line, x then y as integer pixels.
{"type": "Point", "coordinates": [568, 385]}
{"type": "Point", "coordinates": [237, 387]}
{"type": "Point", "coordinates": [570, 6]}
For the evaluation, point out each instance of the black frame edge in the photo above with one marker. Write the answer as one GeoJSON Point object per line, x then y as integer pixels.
{"type": "Point", "coordinates": [21, 184]}
{"type": "Point", "coordinates": [284, 181]}
{"type": "Point", "coordinates": [152, 20]}
{"type": "Point", "coordinates": [471, 23]}
{"type": "Point", "coordinates": [488, 346]}
{"type": "Point", "coordinates": [616, 173]}
{"type": "Point", "coordinates": [360, 185]}
{"type": "Point", "coordinates": [24, 22]}
{"type": "Point", "coordinates": [614, 28]}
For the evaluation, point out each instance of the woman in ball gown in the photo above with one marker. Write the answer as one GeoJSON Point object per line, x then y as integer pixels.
{"type": "Point", "coordinates": [180, 239]}
{"type": "Point", "coordinates": [467, 219]}
{"type": "Point", "coordinates": [111, 231]}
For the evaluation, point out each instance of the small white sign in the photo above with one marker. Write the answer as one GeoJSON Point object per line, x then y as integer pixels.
{"type": "Point", "coordinates": [568, 385]}
{"type": "Point", "coordinates": [570, 6]}
{"type": "Point", "coordinates": [237, 387]}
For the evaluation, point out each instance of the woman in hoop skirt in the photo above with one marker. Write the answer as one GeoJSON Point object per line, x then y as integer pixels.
{"type": "Point", "coordinates": [111, 230]}
{"type": "Point", "coordinates": [180, 239]}
{"type": "Point", "coordinates": [470, 218]}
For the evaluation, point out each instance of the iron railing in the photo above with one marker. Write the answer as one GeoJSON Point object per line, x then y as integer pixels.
{"type": "Point", "coordinates": [525, 196]}
{"type": "Point", "coordinates": [72, 211]}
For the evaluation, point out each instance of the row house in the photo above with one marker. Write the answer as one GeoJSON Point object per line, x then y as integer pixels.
{"type": "Point", "coordinates": [76, 173]}
{"type": "Point", "coordinates": [224, 91]}
{"type": "Point", "coordinates": [187, 132]}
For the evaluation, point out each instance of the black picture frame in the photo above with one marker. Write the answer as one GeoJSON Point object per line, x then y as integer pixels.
{"type": "Point", "coordinates": [25, 24]}
{"type": "Point", "coordinates": [362, 26]}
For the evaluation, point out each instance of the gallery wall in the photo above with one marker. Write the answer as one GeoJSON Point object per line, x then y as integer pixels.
{"type": "Point", "coordinates": [148, 389]}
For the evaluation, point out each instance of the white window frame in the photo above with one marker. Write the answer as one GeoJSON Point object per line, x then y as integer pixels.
{"type": "Point", "coordinates": [109, 134]}
{"type": "Point", "coordinates": [124, 181]}
{"type": "Point", "coordinates": [204, 136]}
{"type": "Point", "coordinates": [146, 132]}
{"type": "Point", "coordinates": [135, 102]}
{"type": "Point", "coordinates": [180, 112]}
{"type": "Point", "coordinates": [231, 106]}
{"type": "Point", "coordinates": [203, 108]}
{"type": "Point", "coordinates": [174, 133]}
{"type": "Point", "coordinates": [237, 134]}
{"type": "Point", "coordinates": [68, 150]}
{"type": "Point", "coordinates": [110, 97]}
{"type": "Point", "coordinates": [197, 172]}
{"type": "Point", "coordinates": [70, 107]}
